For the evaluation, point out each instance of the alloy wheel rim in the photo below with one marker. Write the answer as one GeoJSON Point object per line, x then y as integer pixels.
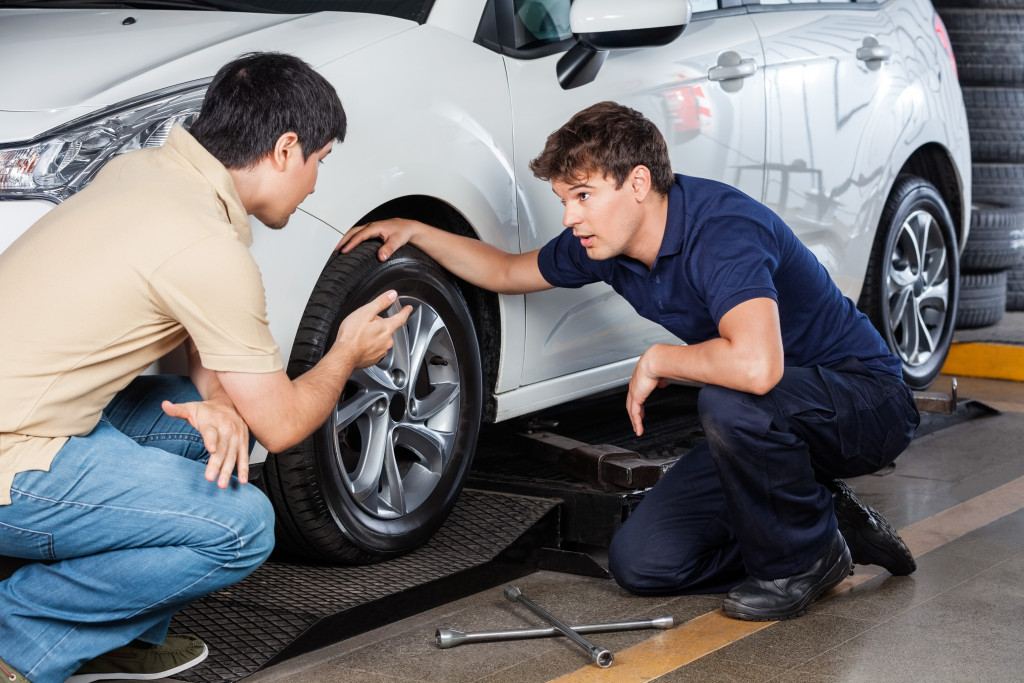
{"type": "Point", "coordinates": [918, 289]}
{"type": "Point", "coordinates": [396, 422]}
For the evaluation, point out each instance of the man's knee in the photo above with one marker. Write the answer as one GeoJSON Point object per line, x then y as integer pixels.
{"type": "Point", "coordinates": [242, 534]}
{"type": "Point", "coordinates": [258, 530]}
{"type": "Point", "coordinates": [639, 568]}
{"type": "Point", "coordinates": [625, 557]}
{"type": "Point", "coordinates": [722, 412]}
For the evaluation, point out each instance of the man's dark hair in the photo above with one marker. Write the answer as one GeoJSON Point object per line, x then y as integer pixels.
{"type": "Point", "coordinates": [259, 97]}
{"type": "Point", "coordinates": [609, 139]}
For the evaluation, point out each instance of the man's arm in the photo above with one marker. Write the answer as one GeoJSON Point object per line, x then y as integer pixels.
{"type": "Point", "coordinates": [282, 412]}
{"type": "Point", "coordinates": [472, 260]}
{"type": "Point", "coordinates": [747, 356]}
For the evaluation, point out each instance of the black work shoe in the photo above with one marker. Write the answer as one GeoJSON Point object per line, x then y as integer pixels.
{"type": "Point", "coordinates": [872, 540]}
{"type": "Point", "coordinates": [774, 599]}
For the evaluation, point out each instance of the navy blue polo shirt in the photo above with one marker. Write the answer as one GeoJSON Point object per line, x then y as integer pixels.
{"type": "Point", "coordinates": [722, 248]}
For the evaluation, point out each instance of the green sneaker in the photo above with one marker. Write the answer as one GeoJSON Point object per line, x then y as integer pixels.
{"type": "Point", "coordinates": [144, 662]}
{"type": "Point", "coordinates": [9, 673]}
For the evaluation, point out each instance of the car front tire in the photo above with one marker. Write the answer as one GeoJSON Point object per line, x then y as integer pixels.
{"type": "Point", "coordinates": [912, 285]}
{"type": "Point", "coordinates": [381, 476]}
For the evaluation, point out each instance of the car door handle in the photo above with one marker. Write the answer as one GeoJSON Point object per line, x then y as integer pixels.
{"type": "Point", "coordinates": [730, 66]}
{"type": "Point", "coordinates": [871, 51]}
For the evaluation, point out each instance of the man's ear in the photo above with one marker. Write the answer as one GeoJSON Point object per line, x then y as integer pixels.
{"type": "Point", "coordinates": [287, 147]}
{"type": "Point", "coordinates": [640, 182]}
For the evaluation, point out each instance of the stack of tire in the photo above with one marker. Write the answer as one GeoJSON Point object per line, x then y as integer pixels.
{"type": "Point", "coordinates": [988, 40]}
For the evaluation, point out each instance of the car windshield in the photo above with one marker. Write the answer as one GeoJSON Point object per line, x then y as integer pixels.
{"type": "Point", "coordinates": [415, 10]}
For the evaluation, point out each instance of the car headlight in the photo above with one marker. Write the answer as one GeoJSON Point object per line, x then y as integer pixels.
{"type": "Point", "coordinates": [62, 161]}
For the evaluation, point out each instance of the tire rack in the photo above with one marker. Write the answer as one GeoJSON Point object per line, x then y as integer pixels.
{"type": "Point", "coordinates": [987, 37]}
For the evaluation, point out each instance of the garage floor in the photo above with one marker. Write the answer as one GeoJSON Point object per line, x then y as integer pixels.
{"type": "Point", "coordinates": [957, 495]}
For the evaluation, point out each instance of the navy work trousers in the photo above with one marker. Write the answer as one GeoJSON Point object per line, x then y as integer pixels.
{"type": "Point", "coordinates": [749, 500]}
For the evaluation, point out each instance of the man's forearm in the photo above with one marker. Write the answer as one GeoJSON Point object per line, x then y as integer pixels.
{"type": "Point", "coordinates": [289, 411]}
{"type": "Point", "coordinates": [476, 262]}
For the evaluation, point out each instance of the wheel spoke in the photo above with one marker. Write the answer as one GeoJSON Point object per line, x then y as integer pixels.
{"type": "Point", "coordinates": [898, 306]}
{"type": "Point", "coordinates": [393, 493]}
{"type": "Point", "coordinates": [431, 446]}
{"type": "Point", "coordinates": [349, 410]}
{"type": "Point", "coordinates": [397, 357]}
{"type": "Point", "coordinates": [441, 397]}
{"type": "Point", "coordinates": [925, 344]}
{"type": "Point", "coordinates": [373, 457]}
{"type": "Point", "coordinates": [423, 325]}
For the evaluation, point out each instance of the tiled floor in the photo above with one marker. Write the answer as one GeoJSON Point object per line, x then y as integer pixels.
{"type": "Point", "coordinates": [960, 617]}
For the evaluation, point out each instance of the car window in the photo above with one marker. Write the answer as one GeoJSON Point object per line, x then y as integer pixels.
{"type": "Point", "coordinates": [540, 22]}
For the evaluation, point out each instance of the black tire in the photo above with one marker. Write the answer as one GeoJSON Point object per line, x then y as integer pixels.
{"type": "Point", "coordinates": [982, 299]}
{"type": "Point", "coordinates": [978, 66]}
{"type": "Point", "coordinates": [996, 239]}
{"type": "Point", "coordinates": [912, 283]}
{"type": "Point", "coordinates": [382, 474]}
{"type": "Point", "coordinates": [995, 117]}
{"type": "Point", "coordinates": [974, 25]}
{"type": "Point", "coordinates": [999, 184]}
{"type": "Point", "coordinates": [1015, 289]}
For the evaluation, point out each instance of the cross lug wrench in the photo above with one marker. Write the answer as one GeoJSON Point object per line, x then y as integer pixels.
{"type": "Point", "coordinates": [603, 658]}
{"type": "Point", "coordinates": [449, 637]}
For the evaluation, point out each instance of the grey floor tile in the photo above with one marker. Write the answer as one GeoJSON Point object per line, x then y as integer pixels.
{"type": "Point", "coordinates": [914, 652]}
{"type": "Point", "coordinates": [716, 669]}
{"type": "Point", "coordinates": [787, 644]}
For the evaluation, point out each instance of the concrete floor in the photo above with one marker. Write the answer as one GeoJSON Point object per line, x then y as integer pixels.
{"type": "Point", "coordinates": [957, 496]}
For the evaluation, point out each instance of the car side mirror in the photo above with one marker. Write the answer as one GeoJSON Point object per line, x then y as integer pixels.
{"type": "Point", "coordinates": [602, 25]}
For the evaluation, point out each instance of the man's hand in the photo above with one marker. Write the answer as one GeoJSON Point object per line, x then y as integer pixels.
{"type": "Point", "coordinates": [394, 231]}
{"type": "Point", "coordinates": [364, 336]}
{"type": "Point", "coordinates": [224, 433]}
{"type": "Point", "coordinates": [641, 384]}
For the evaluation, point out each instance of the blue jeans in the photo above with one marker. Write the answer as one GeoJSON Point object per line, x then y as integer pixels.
{"type": "Point", "coordinates": [127, 532]}
{"type": "Point", "coordinates": [750, 500]}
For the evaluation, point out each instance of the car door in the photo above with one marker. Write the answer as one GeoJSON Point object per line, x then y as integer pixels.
{"type": "Point", "coordinates": [714, 129]}
{"type": "Point", "coordinates": [831, 89]}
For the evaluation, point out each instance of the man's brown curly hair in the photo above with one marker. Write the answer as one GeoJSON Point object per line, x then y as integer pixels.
{"type": "Point", "coordinates": [606, 138]}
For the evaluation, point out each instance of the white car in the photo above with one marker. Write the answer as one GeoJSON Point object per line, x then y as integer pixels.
{"type": "Point", "coordinates": [846, 118]}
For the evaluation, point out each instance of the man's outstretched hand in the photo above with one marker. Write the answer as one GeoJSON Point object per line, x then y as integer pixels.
{"type": "Point", "coordinates": [395, 232]}
{"type": "Point", "coordinates": [224, 433]}
{"type": "Point", "coordinates": [641, 384]}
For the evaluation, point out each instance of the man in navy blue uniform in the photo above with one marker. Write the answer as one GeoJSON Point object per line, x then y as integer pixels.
{"type": "Point", "coordinates": [799, 389]}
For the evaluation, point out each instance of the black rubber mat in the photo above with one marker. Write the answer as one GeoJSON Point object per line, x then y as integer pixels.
{"type": "Point", "coordinates": [283, 609]}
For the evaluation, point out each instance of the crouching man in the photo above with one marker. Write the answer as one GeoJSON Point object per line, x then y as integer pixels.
{"type": "Point", "coordinates": [800, 390]}
{"type": "Point", "coordinates": [122, 485]}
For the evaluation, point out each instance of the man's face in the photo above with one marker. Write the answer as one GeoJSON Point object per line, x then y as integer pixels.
{"type": "Point", "coordinates": [603, 217]}
{"type": "Point", "coordinates": [293, 186]}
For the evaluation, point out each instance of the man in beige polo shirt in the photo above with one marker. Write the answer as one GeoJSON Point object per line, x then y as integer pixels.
{"type": "Point", "coordinates": [122, 485]}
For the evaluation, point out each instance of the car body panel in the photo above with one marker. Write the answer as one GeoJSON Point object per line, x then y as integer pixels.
{"type": "Point", "coordinates": [713, 129]}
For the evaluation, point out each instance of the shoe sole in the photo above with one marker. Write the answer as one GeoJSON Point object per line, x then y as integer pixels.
{"type": "Point", "coordinates": [838, 572]}
{"type": "Point", "coordinates": [864, 550]}
{"type": "Point", "coordinates": [88, 678]}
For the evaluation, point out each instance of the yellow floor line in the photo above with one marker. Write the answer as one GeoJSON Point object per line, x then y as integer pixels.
{"type": "Point", "coordinates": [995, 361]}
{"type": "Point", "coordinates": [698, 637]}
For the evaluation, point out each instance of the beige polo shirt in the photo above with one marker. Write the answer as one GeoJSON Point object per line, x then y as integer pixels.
{"type": "Point", "coordinates": [156, 249]}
